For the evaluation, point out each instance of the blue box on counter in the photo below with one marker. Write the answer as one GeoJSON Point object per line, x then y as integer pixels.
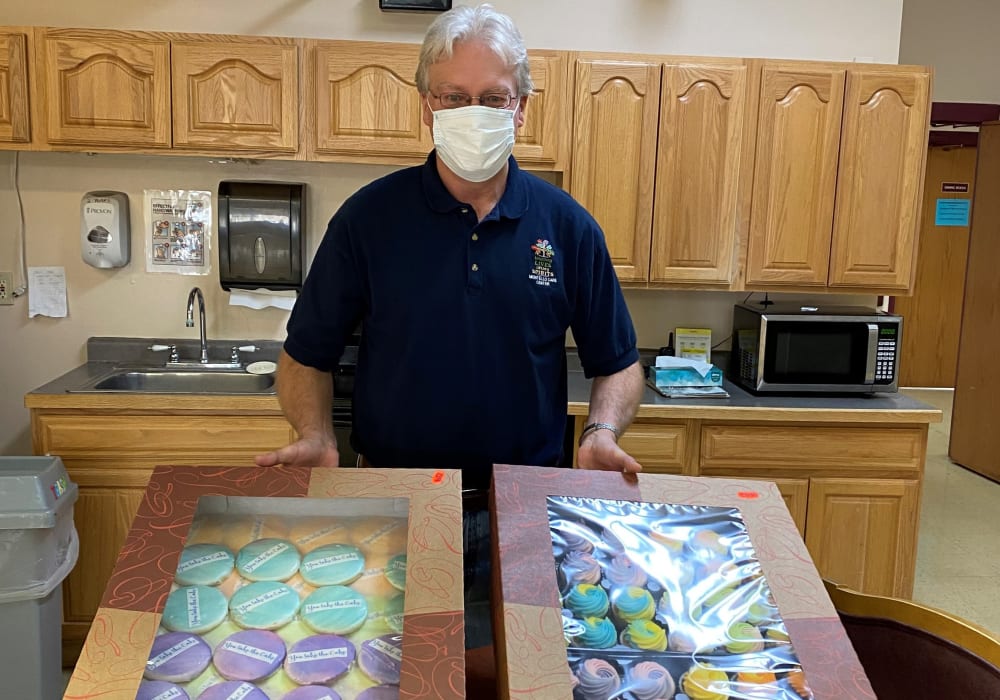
{"type": "Point", "coordinates": [685, 376]}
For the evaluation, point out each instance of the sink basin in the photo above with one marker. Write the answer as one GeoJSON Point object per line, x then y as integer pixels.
{"type": "Point", "coordinates": [171, 381]}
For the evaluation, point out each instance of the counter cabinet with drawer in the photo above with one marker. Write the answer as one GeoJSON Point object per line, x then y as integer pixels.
{"type": "Point", "coordinates": [853, 489]}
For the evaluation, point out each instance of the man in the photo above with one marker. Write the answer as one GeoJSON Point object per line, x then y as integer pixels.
{"type": "Point", "coordinates": [465, 274]}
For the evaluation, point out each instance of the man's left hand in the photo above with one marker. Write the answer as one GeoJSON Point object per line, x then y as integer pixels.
{"type": "Point", "coordinates": [600, 451]}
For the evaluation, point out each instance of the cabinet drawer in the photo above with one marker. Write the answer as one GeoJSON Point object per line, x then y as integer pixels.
{"type": "Point", "coordinates": [659, 447]}
{"type": "Point", "coordinates": [803, 449]}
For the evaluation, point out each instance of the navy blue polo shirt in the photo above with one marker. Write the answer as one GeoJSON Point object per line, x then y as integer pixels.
{"type": "Point", "coordinates": [462, 359]}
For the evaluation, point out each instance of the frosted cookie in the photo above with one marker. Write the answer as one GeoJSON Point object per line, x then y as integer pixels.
{"type": "Point", "coordinates": [268, 560]}
{"type": "Point", "coordinates": [177, 657]}
{"type": "Point", "coordinates": [264, 605]}
{"type": "Point", "coordinates": [395, 571]}
{"type": "Point", "coordinates": [380, 692]}
{"type": "Point", "coordinates": [380, 535]}
{"type": "Point", "coordinates": [334, 610]}
{"type": "Point", "coordinates": [194, 609]}
{"type": "Point", "coordinates": [204, 565]}
{"type": "Point", "coordinates": [312, 692]}
{"type": "Point", "coordinates": [333, 564]}
{"type": "Point", "coordinates": [310, 533]}
{"type": "Point", "coordinates": [319, 659]}
{"type": "Point", "coordinates": [249, 655]}
{"type": "Point", "coordinates": [380, 658]}
{"type": "Point", "coordinates": [373, 582]}
{"type": "Point", "coordinates": [386, 614]}
{"type": "Point", "coordinates": [160, 690]}
{"type": "Point", "coordinates": [233, 690]}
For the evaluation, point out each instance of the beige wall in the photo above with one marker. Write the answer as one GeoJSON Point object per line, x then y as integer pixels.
{"type": "Point", "coordinates": [131, 302]}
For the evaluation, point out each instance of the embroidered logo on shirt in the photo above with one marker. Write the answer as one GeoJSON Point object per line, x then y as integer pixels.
{"type": "Point", "coordinates": [542, 273]}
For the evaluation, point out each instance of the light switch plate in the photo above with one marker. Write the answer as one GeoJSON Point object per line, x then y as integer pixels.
{"type": "Point", "coordinates": [6, 288]}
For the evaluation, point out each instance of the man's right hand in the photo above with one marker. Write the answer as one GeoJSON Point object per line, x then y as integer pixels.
{"type": "Point", "coordinates": [307, 452]}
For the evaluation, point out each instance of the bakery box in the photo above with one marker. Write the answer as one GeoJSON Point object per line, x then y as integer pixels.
{"type": "Point", "coordinates": [658, 587]}
{"type": "Point", "coordinates": [262, 583]}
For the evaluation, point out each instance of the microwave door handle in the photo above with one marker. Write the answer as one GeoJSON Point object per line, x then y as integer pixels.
{"type": "Point", "coordinates": [872, 353]}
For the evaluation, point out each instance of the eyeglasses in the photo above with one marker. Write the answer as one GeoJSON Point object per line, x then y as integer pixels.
{"type": "Point", "coordinates": [496, 100]}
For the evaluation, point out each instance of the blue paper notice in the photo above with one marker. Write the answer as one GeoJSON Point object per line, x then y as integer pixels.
{"type": "Point", "coordinates": [952, 212]}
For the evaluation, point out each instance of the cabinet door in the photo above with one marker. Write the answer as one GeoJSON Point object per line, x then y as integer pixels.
{"type": "Point", "coordinates": [795, 177]}
{"type": "Point", "coordinates": [614, 156]}
{"type": "Point", "coordinates": [880, 179]}
{"type": "Point", "coordinates": [105, 88]}
{"type": "Point", "coordinates": [543, 141]}
{"type": "Point", "coordinates": [702, 173]}
{"type": "Point", "coordinates": [13, 89]}
{"type": "Point", "coordinates": [235, 96]}
{"type": "Point", "coordinates": [862, 533]}
{"type": "Point", "coordinates": [363, 102]}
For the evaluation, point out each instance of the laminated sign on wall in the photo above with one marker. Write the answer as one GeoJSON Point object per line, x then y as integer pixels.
{"type": "Point", "coordinates": [178, 231]}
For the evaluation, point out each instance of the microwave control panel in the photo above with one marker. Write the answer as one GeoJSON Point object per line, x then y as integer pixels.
{"type": "Point", "coordinates": [885, 360]}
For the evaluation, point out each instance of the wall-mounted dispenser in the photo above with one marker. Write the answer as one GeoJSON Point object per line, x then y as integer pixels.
{"type": "Point", "coordinates": [261, 236]}
{"type": "Point", "coordinates": [105, 236]}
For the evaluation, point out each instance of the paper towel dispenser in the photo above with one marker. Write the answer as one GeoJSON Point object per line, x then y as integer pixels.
{"type": "Point", "coordinates": [261, 236]}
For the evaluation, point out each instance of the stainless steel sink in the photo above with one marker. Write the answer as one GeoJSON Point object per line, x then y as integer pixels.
{"type": "Point", "coordinates": [173, 381]}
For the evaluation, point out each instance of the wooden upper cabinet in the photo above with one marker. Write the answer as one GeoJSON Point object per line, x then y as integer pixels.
{"type": "Point", "coordinates": [235, 95]}
{"type": "Point", "coordinates": [104, 88]}
{"type": "Point", "coordinates": [795, 177]}
{"type": "Point", "coordinates": [880, 181]}
{"type": "Point", "coordinates": [702, 172]}
{"type": "Point", "coordinates": [14, 121]}
{"type": "Point", "coordinates": [543, 141]}
{"type": "Point", "coordinates": [362, 101]}
{"type": "Point", "coordinates": [614, 155]}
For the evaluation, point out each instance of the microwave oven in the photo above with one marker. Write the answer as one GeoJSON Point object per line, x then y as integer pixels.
{"type": "Point", "coordinates": [796, 348]}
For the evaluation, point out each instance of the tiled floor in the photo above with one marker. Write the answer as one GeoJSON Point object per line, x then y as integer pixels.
{"type": "Point", "coordinates": [958, 550]}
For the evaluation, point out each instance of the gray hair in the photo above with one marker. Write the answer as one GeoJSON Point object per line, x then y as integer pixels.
{"type": "Point", "coordinates": [480, 24]}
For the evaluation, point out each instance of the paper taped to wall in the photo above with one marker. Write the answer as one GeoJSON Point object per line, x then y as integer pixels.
{"type": "Point", "coordinates": [263, 298]}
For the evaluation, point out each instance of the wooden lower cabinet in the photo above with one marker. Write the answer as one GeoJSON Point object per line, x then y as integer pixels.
{"type": "Point", "coordinates": [110, 457]}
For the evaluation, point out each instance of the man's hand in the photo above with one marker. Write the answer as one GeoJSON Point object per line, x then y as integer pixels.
{"type": "Point", "coordinates": [600, 451]}
{"type": "Point", "coordinates": [307, 452]}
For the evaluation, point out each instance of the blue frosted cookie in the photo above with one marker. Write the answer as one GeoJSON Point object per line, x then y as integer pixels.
{"type": "Point", "coordinates": [204, 565]}
{"type": "Point", "coordinates": [264, 605]}
{"type": "Point", "coordinates": [195, 609]}
{"type": "Point", "coordinates": [395, 571]}
{"type": "Point", "coordinates": [333, 564]}
{"type": "Point", "coordinates": [334, 610]}
{"type": "Point", "coordinates": [269, 559]}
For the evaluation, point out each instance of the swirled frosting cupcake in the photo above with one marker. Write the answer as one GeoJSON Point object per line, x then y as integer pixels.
{"type": "Point", "coordinates": [587, 600]}
{"type": "Point", "coordinates": [622, 571]}
{"type": "Point", "coordinates": [632, 603]}
{"type": "Point", "coordinates": [755, 678]}
{"type": "Point", "coordinates": [797, 682]}
{"type": "Point", "coordinates": [574, 540]}
{"type": "Point", "coordinates": [598, 633]}
{"type": "Point", "coordinates": [597, 680]}
{"type": "Point", "coordinates": [743, 638]}
{"type": "Point", "coordinates": [644, 634]}
{"type": "Point", "coordinates": [648, 680]}
{"type": "Point", "coordinates": [580, 567]}
{"type": "Point", "coordinates": [705, 682]}
{"type": "Point", "coordinates": [777, 635]}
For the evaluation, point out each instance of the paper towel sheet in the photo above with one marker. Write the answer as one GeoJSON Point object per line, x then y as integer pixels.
{"type": "Point", "coordinates": [263, 298]}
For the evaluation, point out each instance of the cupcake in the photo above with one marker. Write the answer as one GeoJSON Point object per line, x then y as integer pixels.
{"type": "Point", "coordinates": [681, 640]}
{"type": "Point", "coordinates": [777, 635]}
{"type": "Point", "coordinates": [648, 680]}
{"type": "Point", "coordinates": [664, 609]}
{"type": "Point", "coordinates": [587, 600]}
{"type": "Point", "coordinates": [761, 611]}
{"type": "Point", "coordinates": [598, 633]}
{"type": "Point", "coordinates": [580, 567]}
{"type": "Point", "coordinates": [610, 543]}
{"type": "Point", "coordinates": [743, 638]}
{"type": "Point", "coordinates": [597, 680]}
{"type": "Point", "coordinates": [622, 571]}
{"type": "Point", "coordinates": [632, 603]}
{"type": "Point", "coordinates": [645, 635]}
{"type": "Point", "coordinates": [753, 678]}
{"type": "Point", "coordinates": [669, 535]}
{"type": "Point", "coordinates": [708, 542]}
{"type": "Point", "coordinates": [705, 682]}
{"type": "Point", "coordinates": [797, 682]}
{"type": "Point", "coordinates": [573, 537]}
{"type": "Point", "coordinates": [711, 603]}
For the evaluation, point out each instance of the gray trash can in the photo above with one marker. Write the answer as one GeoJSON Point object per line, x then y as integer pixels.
{"type": "Point", "coordinates": [38, 549]}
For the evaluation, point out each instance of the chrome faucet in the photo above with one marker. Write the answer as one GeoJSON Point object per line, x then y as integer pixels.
{"type": "Point", "coordinates": [196, 292]}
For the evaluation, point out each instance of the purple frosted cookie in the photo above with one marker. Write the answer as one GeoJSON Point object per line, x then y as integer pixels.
{"type": "Point", "coordinates": [160, 690]}
{"type": "Point", "coordinates": [379, 692]}
{"type": "Point", "coordinates": [380, 658]}
{"type": "Point", "coordinates": [233, 690]}
{"type": "Point", "coordinates": [312, 692]}
{"type": "Point", "coordinates": [319, 659]}
{"type": "Point", "coordinates": [249, 655]}
{"type": "Point", "coordinates": [177, 657]}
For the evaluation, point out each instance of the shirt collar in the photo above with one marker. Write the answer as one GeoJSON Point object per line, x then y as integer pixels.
{"type": "Point", "coordinates": [513, 203]}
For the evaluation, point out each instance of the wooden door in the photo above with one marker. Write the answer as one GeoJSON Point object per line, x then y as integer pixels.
{"type": "Point", "coordinates": [362, 101]}
{"type": "Point", "coordinates": [614, 155]}
{"type": "Point", "coordinates": [795, 178]}
{"type": "Point", "coordinates": [932, 316]}
{"type": "Point", "coordinates": [880, 178]}
{"type": "Point", "coordinates": [229, 95]}
{"type": "Point", "coordinates": [14, 121]}
{"type": "Point", "coordinates": [108, 88]}
{"type": "Point", "coordinates": [702, 171]}
{"type": "Point", "coordinates": [862, 533]}
{"type": "Point", "coordinates": [543, 141]}
{"type": "Point", "coordinates": [975, 441]}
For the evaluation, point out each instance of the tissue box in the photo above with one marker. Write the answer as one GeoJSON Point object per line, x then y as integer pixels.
{"type": "Point", "coordinates": [542, 539]}
{"type": "Point", "coordinates": [685, 376]}
{"type": "Point", "coordinates": [413, 615]}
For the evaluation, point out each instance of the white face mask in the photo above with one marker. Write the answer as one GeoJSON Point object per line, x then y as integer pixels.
{"type": "Point", "coordinates": [474, 141]}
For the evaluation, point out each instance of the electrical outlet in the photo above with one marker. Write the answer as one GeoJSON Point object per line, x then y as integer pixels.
{"type": "Point", "coordinates": [6, 288]}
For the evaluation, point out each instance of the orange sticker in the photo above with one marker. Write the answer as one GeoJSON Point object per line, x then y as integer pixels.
{"type": "Point", "coordinates": [438, 477]}
{"type": "Point", "coordinates": [748, 494]}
